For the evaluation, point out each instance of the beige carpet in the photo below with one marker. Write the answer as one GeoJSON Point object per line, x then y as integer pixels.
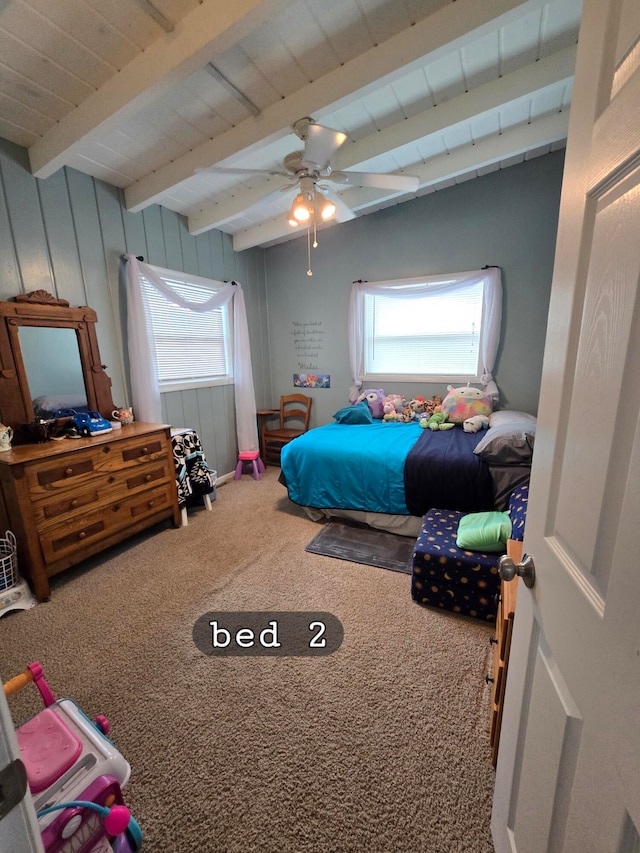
{"type": "Point", "coordinates": [382, 746]}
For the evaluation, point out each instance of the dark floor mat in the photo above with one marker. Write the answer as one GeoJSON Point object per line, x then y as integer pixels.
{"type": "Point", "coordinates": [363, 545]}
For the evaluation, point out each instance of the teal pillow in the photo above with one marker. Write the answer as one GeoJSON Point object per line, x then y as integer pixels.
{"type": "Point", "coordinates": [484, 531]}
{"type": "Point", "coordinates": [358, 414]}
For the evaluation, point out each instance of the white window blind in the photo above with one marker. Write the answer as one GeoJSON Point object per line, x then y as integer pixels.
{"type": "Point", "coordinates": [433, 335]}
{"type": "Point", "coordinates": [192, 348]}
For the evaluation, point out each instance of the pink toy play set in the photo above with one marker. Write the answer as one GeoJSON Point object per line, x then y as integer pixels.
{"type": "Point", "coordinates": [75, 776]}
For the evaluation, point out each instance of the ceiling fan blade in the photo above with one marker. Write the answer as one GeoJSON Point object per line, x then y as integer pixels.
{"type": "Point", "coordinates": [406, 183]}
{"type": "Point", "coordinates": [222, 170]}
{"type": "Point", "coordinates": [276, 195]}
{"type": "Point", "coordinates": [320, 143]}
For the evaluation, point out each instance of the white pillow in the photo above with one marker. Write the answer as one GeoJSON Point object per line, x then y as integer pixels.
{"type": "Point", "coordinates": [509, 416]}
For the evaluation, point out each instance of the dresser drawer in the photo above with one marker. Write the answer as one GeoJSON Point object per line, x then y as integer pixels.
{"type": "Point", "coordinates": [76, 533]}
{"type": "Point", "coordinates": [74, 470]}
{"type": "Point", "coordinates": [103, 490]}
{"type": "Point", "coordinates": [72, 503]}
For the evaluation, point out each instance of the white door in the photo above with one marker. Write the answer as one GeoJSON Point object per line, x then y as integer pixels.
{"type": "Point", "coordinates": [568, 774]}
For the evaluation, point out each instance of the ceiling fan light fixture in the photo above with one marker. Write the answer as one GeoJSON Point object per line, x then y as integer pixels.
{"type": "Point", "coordinates": [301, 209]}
{"type": "Point", "coordinates": [327, 209]}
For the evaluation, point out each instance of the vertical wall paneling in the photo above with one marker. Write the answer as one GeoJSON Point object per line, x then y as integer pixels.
{"type": "Point", "coordinates": [96, 283]}
{"type": "Point", "coordinates": [188, 247]}
{"type": "Point", "coordinates": [61, 237]}
{"type": "Point", "coordinates": [190, 408]}
{"type": "Point", "coordinates": [172, 412]}
{"type": "Point", "coordinates": [203, 255]}
{"type": "Point", "coordinates": [134, 234]}
{"type": "Point", "coordinates": [10, 280]}
{"type": "Point", "coordinates": [171, 237]}
{"type": "Point", "coordinates": [29, 237]}
{"type": "Point", "coordinates": [156, 252]}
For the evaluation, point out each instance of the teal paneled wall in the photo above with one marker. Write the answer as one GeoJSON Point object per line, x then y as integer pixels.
{"type": "Point", "coordinates": [67, 235]}
{"type": "Point", "coordinates": [508, 218]}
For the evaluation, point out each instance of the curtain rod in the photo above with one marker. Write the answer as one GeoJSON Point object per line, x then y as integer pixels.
{"type": "Point", "coordinates": [141, 258]}
{"type": "Point", "coordinates": [485, 267]}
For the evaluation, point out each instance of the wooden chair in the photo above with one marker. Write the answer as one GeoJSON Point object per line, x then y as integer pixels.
{"type": "Point", "coordinates": [294, 412]}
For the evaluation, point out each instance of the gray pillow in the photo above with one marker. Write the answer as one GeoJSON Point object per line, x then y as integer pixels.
{"type": "Point", "coordinates": [508, 443]}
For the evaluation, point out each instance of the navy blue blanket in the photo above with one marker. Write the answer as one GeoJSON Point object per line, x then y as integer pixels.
{"type": "Point", "coordinates": [442, 471]}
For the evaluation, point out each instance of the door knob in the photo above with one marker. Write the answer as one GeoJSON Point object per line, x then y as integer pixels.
{"type": "Point", "coordinates": [526, 570]}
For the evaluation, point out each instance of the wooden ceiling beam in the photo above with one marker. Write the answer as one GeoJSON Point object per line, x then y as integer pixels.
{"type": "Point", "coordinates": [212, 27]}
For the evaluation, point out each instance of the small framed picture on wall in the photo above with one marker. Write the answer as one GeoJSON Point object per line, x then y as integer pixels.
{"type": "Point", "coordinates": [311, 380]}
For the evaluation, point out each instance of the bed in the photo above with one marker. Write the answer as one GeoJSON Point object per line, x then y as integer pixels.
{"type": "Point", "coordinates": [389, 475]}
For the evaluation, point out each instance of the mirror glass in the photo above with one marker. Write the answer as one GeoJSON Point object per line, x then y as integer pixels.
{"type": "Point", "coordinates": [54, 371]}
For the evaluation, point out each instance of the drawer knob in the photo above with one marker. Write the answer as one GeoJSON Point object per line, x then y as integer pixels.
{"type": "Point", "coordinates": [112, 479]}
{"type": "Point", "coordinates": [82, 535]}
{"type": "Point", "coordinates": [150, 504]}
{"type": "Point", "coordinates": [75, 502]}
{"type": "Point", "coordinates": [68, 472]}
{"type": "Point", "coordinates": [148, 478]}
{"type": "Point", "coordinates": [106, 448]}
{"type": "Point", "coordinates": [145, 450]}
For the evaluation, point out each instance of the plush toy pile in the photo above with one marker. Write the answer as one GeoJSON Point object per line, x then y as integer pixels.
{"type": "Point", "coordinates": [466, 405]}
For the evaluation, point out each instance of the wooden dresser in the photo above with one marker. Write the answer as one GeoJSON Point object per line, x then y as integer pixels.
{"type": "Point", "coordinates": [66, 500]}
{"type": "Point", "coordinates": [502, 646]}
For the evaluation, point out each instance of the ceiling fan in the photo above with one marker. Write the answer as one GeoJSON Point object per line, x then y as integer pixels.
{"type": "Point", "coordinates": [310, 171]}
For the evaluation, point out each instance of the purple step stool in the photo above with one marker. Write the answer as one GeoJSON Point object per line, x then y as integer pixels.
{"type": "Point", "coordinates": [252, 456]}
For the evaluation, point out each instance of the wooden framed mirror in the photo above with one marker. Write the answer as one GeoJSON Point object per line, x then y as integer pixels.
{"type": "Point", "coordinates": [48, 355]}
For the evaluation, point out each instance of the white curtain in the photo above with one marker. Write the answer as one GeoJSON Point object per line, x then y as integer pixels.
{"type": "Point", "coordinates": [144, 372]}
{"type": "Point", "coordinates": [414, 288]}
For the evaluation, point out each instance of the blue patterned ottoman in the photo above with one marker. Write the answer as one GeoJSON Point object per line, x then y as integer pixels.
{"type": "Point", "coordinates": [443, 576]}
{"type": "Point", "coordinates": [518, 503]}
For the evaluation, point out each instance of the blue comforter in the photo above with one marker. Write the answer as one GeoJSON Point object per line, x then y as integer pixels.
{"type": "Point", "coordinates": [393, 468]}
{"type": "Point", "coordinates": [350, 466]}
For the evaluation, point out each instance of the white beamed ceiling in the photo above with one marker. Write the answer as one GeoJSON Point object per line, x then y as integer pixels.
{"type": "Point", "coordinates": [120, 90]}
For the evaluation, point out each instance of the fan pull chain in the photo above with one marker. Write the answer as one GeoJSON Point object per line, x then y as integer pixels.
{"type": "Point", "coordinates": [309, 271]}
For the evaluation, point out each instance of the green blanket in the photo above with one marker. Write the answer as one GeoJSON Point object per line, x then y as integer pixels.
{"type": "Point", "coordinates": [484, 531]}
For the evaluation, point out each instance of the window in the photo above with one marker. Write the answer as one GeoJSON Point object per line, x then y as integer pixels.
{"type": "Point", "coordinates": [431, 329]}
{"type": "Point", "coordinates": [433, 336]}
{"type": "Point", "coordinates": [192, 348]}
